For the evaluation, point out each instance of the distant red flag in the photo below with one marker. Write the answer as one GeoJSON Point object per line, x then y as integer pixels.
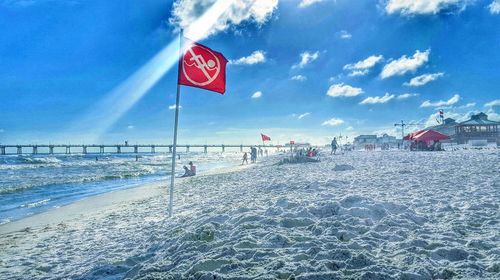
{"type": "Point", "coordinates": [202, 67]}
{"type": "Point", "coordinates": [265, 137]}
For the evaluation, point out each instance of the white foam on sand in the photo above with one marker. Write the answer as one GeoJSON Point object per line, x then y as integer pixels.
{"type": "Point", "coordinates": [387, 215]}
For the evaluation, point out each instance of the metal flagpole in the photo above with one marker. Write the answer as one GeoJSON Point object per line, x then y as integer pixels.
{"type": "Point", "coordinates": [174, 148]}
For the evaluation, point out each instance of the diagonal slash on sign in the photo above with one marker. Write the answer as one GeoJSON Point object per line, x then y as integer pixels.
{"type": "Point", "coordinates": [200, 64]}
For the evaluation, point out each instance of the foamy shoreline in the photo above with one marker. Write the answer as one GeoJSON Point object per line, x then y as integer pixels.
{"type": "Point", "coordinates": [106, 202]}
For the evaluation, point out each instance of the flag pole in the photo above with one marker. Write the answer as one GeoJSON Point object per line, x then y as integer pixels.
{"type": "Point", "coordinates": [174, 145]}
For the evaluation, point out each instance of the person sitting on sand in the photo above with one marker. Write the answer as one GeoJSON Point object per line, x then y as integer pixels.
{"type": "Point", "coordinates": [187, 172]}
{"type": "Point", "coordinates": [192, 168]}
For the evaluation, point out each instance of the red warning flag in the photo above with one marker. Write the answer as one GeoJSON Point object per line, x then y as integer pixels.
{"type": "Point", "coordinates": [202, 67]}
{"type": "Point", "coordinates": [265, 137]}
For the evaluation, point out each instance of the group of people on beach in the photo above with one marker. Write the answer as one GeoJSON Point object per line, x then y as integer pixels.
{"type": "Point", "coordinates": [423, 146]}
{"type": "Point", "coordinates": [191, 171]}
{"type": "Point", "coordinates": [253, 155]}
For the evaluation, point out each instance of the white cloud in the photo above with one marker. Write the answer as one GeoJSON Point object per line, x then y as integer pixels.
{"type": "Point", "coordinates": [378, 99]}
{"type": "Point", "coordinates": [492, 115]}
{"type": "Point", "coordinates": [341, 89]}
{"type": "Point", "coordinates": [172, 107]}
{"type": "Point", "coordinates": [406, 96]}
{"type": "Point", "coordinates": [257, 94]}
{"type": "Point", "coordinates": [333, 122]}
{"type": "Point", "coordinates": [301, 116]}
{"type": "Point", "coordinates": [233, 13]}
{"type": "Point", "coordinates": [130, 126]}
{"type": "Point", "coordinates": [452, 101]}
{"type": "Point", "coordinates": [362, 67]}
{"type": "Point", "coordinates": [495, 7]}
{"type": "Point", "coordinates": [254, 58]}
{"type": "Point", "coordinates": [350, 128]}
{"type": "Point", "coordinates": [493, 103]}
{"type": "Point", "coordinates": [424, 79]}
{"type": "Point", "coordinates": [305, 3]}
{"type": "Point", "coordinates": [345, 35]}
{"type": "Point", "coordinates": [306, 58]}
{"type": "Point", "coordinates": [299, 78]}
{"type": "Point", "coordinates": [423, 7]}
{"type": "Point", "coordinates": [468, 105]}
{"type": "Point", "coordinates": [357, 73]}
{"type": "Point", "coordinates": [404, 64]}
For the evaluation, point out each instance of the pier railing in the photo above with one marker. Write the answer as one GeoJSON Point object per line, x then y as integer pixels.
{"type": "Point", "coordinates": [114, 148]}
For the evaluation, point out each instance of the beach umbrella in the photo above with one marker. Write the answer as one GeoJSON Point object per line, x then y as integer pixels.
{"type": "Point", "coordinates": [429, 135]}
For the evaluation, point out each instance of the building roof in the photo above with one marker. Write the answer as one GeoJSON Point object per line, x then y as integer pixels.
{"type": "Point", "coordinates": [366, 137]}
{"type": "Point", "coordinates": [479, 119]}
{"type": "Point", "coordinates": [429, 135]}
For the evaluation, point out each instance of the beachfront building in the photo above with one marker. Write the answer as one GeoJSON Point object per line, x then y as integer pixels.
{"type": "Point", "coordinates": [386, 141]}
{"type": "Point", "coordinates": [298, 145]}
{"type": "Point", "coordinates": [446, 128]}
{"type": "Point", "coordinates": [363, 141]}
{"type": "Point", "coordinates": [477, 128]}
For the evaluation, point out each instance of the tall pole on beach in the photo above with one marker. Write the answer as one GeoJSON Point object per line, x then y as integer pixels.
{"type": "Point", "coordinates": [174, 145]}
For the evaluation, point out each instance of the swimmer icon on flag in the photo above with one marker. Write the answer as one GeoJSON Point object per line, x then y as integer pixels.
{"type": "Point", "coordinates": [202, 67]}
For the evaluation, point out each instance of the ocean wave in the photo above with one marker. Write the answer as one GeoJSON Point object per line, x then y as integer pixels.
{"type": "Point", "coordinates": [37, 160]}
{"type": "Point", "coordinates": [77, 180]}
{"type": "Point", "coordinates": [36, 203]}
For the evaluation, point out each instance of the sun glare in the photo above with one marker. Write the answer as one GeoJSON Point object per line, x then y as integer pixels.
{"type": "Point", "coordinates": [106, 112]}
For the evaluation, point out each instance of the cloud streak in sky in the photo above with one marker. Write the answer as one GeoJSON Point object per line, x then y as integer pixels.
{"type": "Point", "coordinates": [452, 101]}
{"type": "Point", "coordinates": [424, 7]}
{"type": "Point", "coordinates": [424, 79]}
{"type": "Point", "coordinates": [254, 58]}
{"type": "Point", "coordinates": [405, 64]}
{"type": "Point", "coordinates": [306, 58]}
{"type": "Point", "coordinates": [333, 122]}
{"type": "Point", "coordinates": [306, 3]}
{"type": "Point", "coordinates": [343, 90]}
{"type": "Point", "coordinates": [257, 94]}
{"type": "Point", "coordinates": [299, 78]}
{"type": "Point", "coordinates": [378, 99]}
{"type": "Point", "coordinates": [362, 67]}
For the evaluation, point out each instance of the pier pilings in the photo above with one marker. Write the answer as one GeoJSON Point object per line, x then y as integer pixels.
{"type": "Point", "coordinates": [37, 149]}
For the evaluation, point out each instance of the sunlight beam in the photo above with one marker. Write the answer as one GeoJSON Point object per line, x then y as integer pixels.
{"type": "Point", "coordinates": [103, 115]}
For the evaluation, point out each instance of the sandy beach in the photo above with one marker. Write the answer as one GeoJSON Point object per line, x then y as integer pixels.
{"type": "Point", "coordinates": [361, 215]}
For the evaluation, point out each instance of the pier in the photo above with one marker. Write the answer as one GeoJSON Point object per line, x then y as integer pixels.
{"type": "Point", "coordinates": [114, 148]}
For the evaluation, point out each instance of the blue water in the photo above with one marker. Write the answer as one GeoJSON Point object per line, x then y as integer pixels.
{"type": "Point", "coordinates": [33, 184]}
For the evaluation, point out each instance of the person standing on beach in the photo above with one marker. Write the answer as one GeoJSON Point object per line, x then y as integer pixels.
{"type": "Point", "coordinates": [334, 145]}
{"type": "Point", "coordinates": [245, 158]}
{"type": "Point", "coordinates": [253, 155]}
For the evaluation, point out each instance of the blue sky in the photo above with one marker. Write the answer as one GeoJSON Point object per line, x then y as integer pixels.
{"type": "Point", "coordinates": [303, 70]}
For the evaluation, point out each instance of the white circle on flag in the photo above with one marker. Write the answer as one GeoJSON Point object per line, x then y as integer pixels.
{"type": "Point", "coordinates": [202, 63]}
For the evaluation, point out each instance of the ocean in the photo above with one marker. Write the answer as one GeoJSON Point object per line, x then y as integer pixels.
{"type": "Point", "coordinates": [31, 184]}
